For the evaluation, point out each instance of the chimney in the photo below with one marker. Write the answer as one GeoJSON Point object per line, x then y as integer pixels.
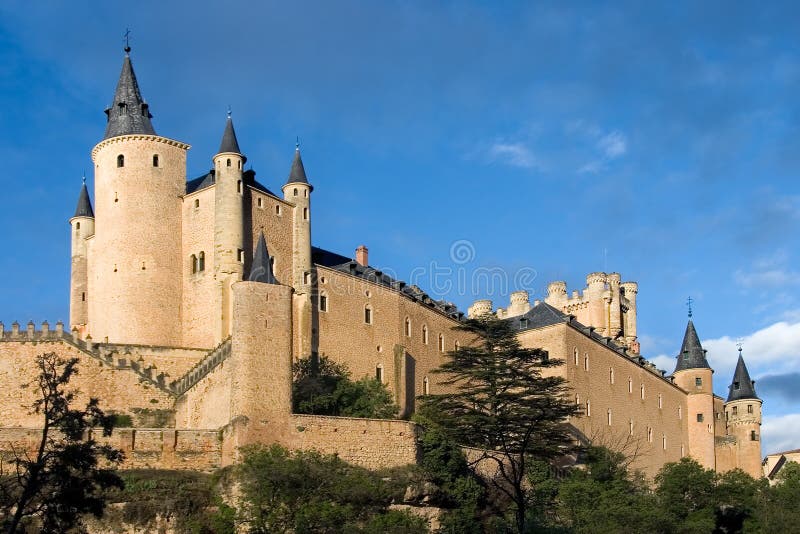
{"type": "Point", "coordinates": [362, 255]}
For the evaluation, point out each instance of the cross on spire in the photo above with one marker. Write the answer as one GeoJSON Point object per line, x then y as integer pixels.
{"type": "Point", "coordinates": [689, 305]}
{"type": "Point", "coordinates": [127, 38]}
{"type": "Point", "coordinates": [739, 343]}
{"type": "Point", "coordinates": [297, 143]}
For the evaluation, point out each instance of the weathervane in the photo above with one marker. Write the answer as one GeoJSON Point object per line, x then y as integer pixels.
{"type": "Point", "coordinates": [229, 111]}
{"type": "Point", "coordinates": [127, 37]}
{"type": "Point", "coordinates": [689, 305]}
{"type": "Point", "coordinates": [297, 143]}
{"type": "Point", "coordinates": [739, 343]}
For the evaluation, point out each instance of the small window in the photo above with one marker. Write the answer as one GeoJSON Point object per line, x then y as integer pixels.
{"type": "Point", "coordinates": [683, 451]}
{"type": "Point", "coordinates": [229, 162]}
{"type": "Point", "coordinates": [305, 193]}
{"type": "Point", "coordinates": [426, 386]}
{"type": "Point", "coordinates": [753, 435]}
{"type": "Point", "coordinates": [575, 354]}
{"type": "Point", "coordinates": [698, 381]}
{"type": "Point", "coordinates": [367, 315]}
{"type": "Point", "coordinates": [278, 209]}
{"type": "Point", "coordinates": [260, 202]}
{"type": "Point", "coordinates": [77, 226]}
{"type": "Point", "coordinates": [240, 255]}
{"type": "Point", "coordinates": [699, 418]}
{"type": "Point", "coordinates": [323, 302]}
{"type": "Point", "coordinates": [306, 277]}
{"type": "Point", "coordinates": [155, 160]}
{"type": "Point", "coordinates": [749, 408]}
{"type": "Point", "coordinates": [193, 260]}
{"type": "Point", "coordinates": [441, 343]}
{"type": "Point", "coordinates": [680, 412]}
{"type": "Point", "coordinates": [611, 375]}
{"type": "Point", "coordinates": [143, 266]}
{"type": "Point", "coordinates": [735, 410]}
{"type": "Point", "coordinates": [425, 334]}
{"type": "Point", "coordinates": [586, 361]}
{"type": "Point", "coordinates": [663, 442]}
{"type": "Point", "coordinates": [120, 161]}
{"type": "Point", "coordinates": [641, 391]}
{"type": "Point", "coordinates": [630, 427]}
{"type": "Point", "coordinates": [116, 197]}
{"type": "Point", "coordinates": [608, 416]}
{"type": "Point", "coordinates": [660, 401]}
{"type": "Point", "coordinates": [379, 373]}
{"type": "Point", "coordinates": [239, 186]}
{"type": "Point", "coordinates": [305, 214]}
{"type": "Point", "coordinates": [588, 408]}
{"type": "Point", "coordinates": [630, 385]}
{"type": "Point", "coordinates": [201, 261]}
{"type": "Point", "coordinates": [736, 385]}
{"type": "Point", "coordinates": [83, 296]}
{"type": "Point", "coordinates": [196, 203]}
{"type": "Point", "coordinates": [456, 346]}
{"type": "Point", "coordinates": [523, 323]}
{"type": "Point", "coordinates": [408, 327]}
{"type": "Point", "coordinates": [577, 399]}
{"type": "Point", "coordinates": [649, 434]}
{"type": "Point", "coordinates": [295, 191]}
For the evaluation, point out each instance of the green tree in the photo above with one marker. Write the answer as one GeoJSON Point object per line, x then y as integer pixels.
{"type": "Point", "coordinates": [323, 387]}
{"type": "Point", "coordinates": [500, 402]}
{"type": "Point", "coordinates": [778, 509]}
{"type": "Point", "coordinates": [68, 473]}
{"type": "Point", "coordinates": [685, 492]}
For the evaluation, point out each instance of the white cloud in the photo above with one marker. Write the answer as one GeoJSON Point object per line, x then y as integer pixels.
{"type": "Point", "coordinates": [774, 349]}
{"type": "Point", "coordinates": [780, 433]}
{"type": "Point", "coordinates": [664, 362]}
{"type": "Point", "coordinates": [766, 278]}
{"type": "Point", "coordinates": [515, 154]}
{"type": "Point", "coordinates": [613, 145]}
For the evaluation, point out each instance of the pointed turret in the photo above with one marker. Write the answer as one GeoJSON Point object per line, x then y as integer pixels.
{"type": "Point", "coordinates": [741, 387]}
{"type": "Point", "coordinates": [261, 271]}
{"type": "Point", "coordinates": [692, 355]}
{"type": "Point", "coordinates": [229, 142]}
{"type": "Point", "coordinates": [84, 207]}
{"type": "Point", "coordinates": [128, 113]}
{"type": "Point", "coordinates": [297, 174]}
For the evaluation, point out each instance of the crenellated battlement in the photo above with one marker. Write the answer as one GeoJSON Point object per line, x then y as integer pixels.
{"type": "Point", "coordinates": [219, 354]}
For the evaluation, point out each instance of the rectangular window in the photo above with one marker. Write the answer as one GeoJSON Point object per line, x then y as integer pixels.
{"type": "Point", "coordinates": [368, 315]}
{"type": "Point", "coordinates": [323, 303]}
{"type": "Point", "coordinates": [749, 408]}
{"type": "Point", "coordinates": [379, 373]}
{"type": "Point", "coordinates": [753, 435]}
{"type": "Point", "coordinates": [698, 381]}
{"type": "Point", "coordinates": [699, 418]}
{"type": "Point", "coordinates": [240, 255]}
{"type": "Point", "coordinates": [735, 410]}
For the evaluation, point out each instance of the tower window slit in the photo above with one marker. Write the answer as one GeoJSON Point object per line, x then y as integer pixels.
{"type": "Point", "coordinates": [155, 160]}
{"type": "Point", "coordinates": [201, 261]}
{"type": "Point", "coordinates": [120, 161]}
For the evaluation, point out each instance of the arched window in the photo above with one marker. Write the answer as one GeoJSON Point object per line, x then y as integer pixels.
{"type": "Point", "coordinates": [649, 434]}
{"type": "Point", "coordinates": [641, 390]}
{"type": "Point", "coordinates": [680, 412]}
{"type": "Point", "coordinates": [611, 375]}
{"type": "Point", "coordinates": [588, 408]}
{"type": "Point", "coordinates": [660, 401]}
{"type": "Point", "coordinates": [295, 191]}
{"type": "Point", "coordinates": [425, 334]}
{"type": "Point", "coordinates": [77, 227]}
{"type": "Point", "coordinates": [367, 314]}
{"type": "Point", "coordinates": [201, 261]}
{"type": "Point", "coordinates": [193, 260]}
{"type": "Point", "coordinates": [379, 372]}
{"type": "Point", "coordinates": [305, 193]}
{"type": "Point", "coordinates": [683, 451]}
{"type": "Point", "coordinates": [229, 162]}
{"type": "Point", "coordinates": [630, 427]}
{"type": "Point", "coordinates": [575, 353]}
{"type": "Point", "coordinates": [408, 327]}
{"type": "Point", "coordinates": [456, 345]}
{"type": "Point", "coordinates": [323, 302]}
{"type": "Point", "coordinates": [663, 442]}
{"type": "Point", "coordinates": [426, 386]}
{"type": "Point", "coordinates": [608, 416]}
{"type": "Point", "coordinates": [155, 160]}
{"type": "Point", "coordinates": [441, 343]}
{"type": "Point", "coordinates": [197, 203]}
{"type": "Point", "coordinates": [120, 161]}
{"type": "Point", "coordinates": [586, 361]}
{"type": "Point", "coordinates": [630, 385]}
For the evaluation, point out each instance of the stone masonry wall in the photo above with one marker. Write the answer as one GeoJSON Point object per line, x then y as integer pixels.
{"type": "Point", "coordinates": [198, 287]}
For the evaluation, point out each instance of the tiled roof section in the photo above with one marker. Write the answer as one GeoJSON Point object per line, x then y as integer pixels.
{"type": "Point", "coordinates": [297, 174]}
{"type": "Point", "coordinates": [261, 271]}
{"type": "Point", "coordinates": [540, 315]}
{"type": "Point", "coordinates": [692, 355]}
{"type": "Point", "coordinates": [84, 207]}
{"type": "Point", "coordinates": [208, 179]}
{"type": "Point", "coordinates": [741, 387]}
{"type": "Point", "coordinates": [349, 266]}
{"type": "Point", "coordinates": [229, 142]}
{"type": "Point", "coordinates": [128, 113]}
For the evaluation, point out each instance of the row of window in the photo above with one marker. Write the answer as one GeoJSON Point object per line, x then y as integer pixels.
{"type": "Point", "coordinates": [121, 160]}
{"type": "Point", "coordinates": [198, 262]}
{"type": "Point", "coordinates": [588, 413]}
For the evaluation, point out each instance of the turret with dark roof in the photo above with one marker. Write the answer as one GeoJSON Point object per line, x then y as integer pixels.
{"type": "Point", "coordinates": [229, 142]}
{"type": "Point", "coordinates": [692, 355]}
{"type": "Point", "coordinates": [297, 174]}
{"type": "Point", "coordinates": [741, 387]}
{"type": "Point", "coordinates": [84, 207]}
{"type": "Point", "coordinates": [261, 271]}
{"type": "Point", "coordinates": [128, 113]}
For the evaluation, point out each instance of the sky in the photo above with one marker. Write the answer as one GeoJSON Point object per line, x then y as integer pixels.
{"type": "Point", "coordinates": [476, 148]}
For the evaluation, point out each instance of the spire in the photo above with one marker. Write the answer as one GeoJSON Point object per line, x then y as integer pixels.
{"type": "Point", "coordinates": [229, 142]}
{"type": "Point", "coordinates": [297, 174]}
{"type": "Point", "coordinates": [128, 113]}
{"type": "Point", "coordinates": [741, 387]}
{"type": "Point", "coordinates": [692, 355]}
{"type": "Point", "coordinates": [84, 208]}
{"type": "Point", "coordinates": [261, 271]}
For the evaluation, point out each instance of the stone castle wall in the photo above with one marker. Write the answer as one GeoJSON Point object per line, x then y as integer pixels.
{"type": "Point", "coordinates": [198, 287]}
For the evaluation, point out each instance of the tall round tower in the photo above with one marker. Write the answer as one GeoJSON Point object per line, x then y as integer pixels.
{"type": "Point", "coordinates": [136, 268]}
{"type": "Point", "coordinates": [297, 190]}
{"type": "Point", "coordinates": [743, 419]}
{"type": "Point", "coordinates": [82, 225]}
{"type": "Point", "coordinates": [228, 226]}
{"type": "Point", "coordinates": [694, 376]}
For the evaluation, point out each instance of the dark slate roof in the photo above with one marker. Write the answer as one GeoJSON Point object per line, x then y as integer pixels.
{"type": "Point", "coordinates": [692, 355]}
{"type": "Point", "coordinates": [128, 113]}
{"type": "Point", "coordinates": [297, 174]}
{"type": "Point", "coordinates": [261, 271]}
{"type": "Point", "coordinates": [229, 142]}
{"type": "Point", "coordinates": [209, 179]}
{"type": "Point", "coordinates": [347, 265]}
{"type": "Point", "coordinates": [540, 315]}
{"type": "Point", "coordinates": [84, 207]}
{"type": "Point", "coordinates": [741, 387]}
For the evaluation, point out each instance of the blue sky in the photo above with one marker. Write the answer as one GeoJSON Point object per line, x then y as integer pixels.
{"type": "Point", "coordinates": [662, 142]}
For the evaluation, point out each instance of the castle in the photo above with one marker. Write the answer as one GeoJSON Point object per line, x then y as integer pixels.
{"type": "Point", "coordinates": [191, 298]}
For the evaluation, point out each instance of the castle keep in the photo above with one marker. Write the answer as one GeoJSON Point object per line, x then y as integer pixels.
{"type": "Point", "coordinates": [191, 298]}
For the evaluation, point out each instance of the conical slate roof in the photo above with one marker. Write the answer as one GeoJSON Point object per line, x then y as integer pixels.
{"type": "Point", "coordinates": [84, 207]}
{"type": "Point", "coordinates": [297, 174]}
{"type": "Point", "coordinates": [128, 113]}
{"type": "Point", "coordinates": [692, 355]}
{"type": "Point", "coordinates": [229, 142]}
{"type": "Point", "coordinates": [741, 387]}
{"type": "Point", "coordinates": [261, 271]}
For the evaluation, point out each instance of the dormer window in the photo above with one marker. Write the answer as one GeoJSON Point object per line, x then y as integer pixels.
{"type": "Point", "coordinates": [736, 385]}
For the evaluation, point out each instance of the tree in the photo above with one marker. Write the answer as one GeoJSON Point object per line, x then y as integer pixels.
{"type": "Point", "coordinates": [323, 387]}
{"type": "Point", "coordinates": [64, 479]}
{"type": "Point", "coordinates": [685, 491]}
{"type": "Point", "coordinates": [500, 402]}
